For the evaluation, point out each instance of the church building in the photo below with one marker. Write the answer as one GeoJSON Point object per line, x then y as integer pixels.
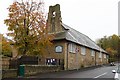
{"type": "Point", "coordinates": [71, 49]}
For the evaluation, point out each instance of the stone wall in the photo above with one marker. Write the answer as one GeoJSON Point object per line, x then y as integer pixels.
{"type": "Point", "coordinates": [9, 73]}
{"type": "Point", "coordinates": [53, 54]}
{"type": "Point", "coordinates": [35, 69]}
{"type": "Point", "coordinates": [77, 60]}
{"type": "Point", "coordinates": [5, 62]}
{"type": "Point", "coordinates": [54, 19]}
{"type": "Point", "coordinates": [30, 70]}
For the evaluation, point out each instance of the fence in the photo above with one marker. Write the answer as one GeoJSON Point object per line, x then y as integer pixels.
{"type": "Point", "coordinates": [14, 63]}
{"type": "Point", "coordinates": [31, 67]}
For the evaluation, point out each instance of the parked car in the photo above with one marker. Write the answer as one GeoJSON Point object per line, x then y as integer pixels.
{"type": "Point", "coordinates": [117, 73]}
{"type": "Point", "coordinates": [112, 64]}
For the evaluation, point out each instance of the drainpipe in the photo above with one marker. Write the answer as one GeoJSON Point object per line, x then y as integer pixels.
{"type": "Point", "coordinates": [77, 57]}
{"type": "Point", "coordinates": [95, 58]}
{"type": "Point", "coordinates": [67, 55]}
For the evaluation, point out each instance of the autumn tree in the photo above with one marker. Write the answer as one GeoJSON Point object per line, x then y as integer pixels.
{"type": "Point", "coordinates": [6, 47]}
{"type": "Point", "coordinates": [110, 44]}
{"type": "Point", "coordinates": [27, 25]}
{"type": "Point", "coordinates": [0, 44]}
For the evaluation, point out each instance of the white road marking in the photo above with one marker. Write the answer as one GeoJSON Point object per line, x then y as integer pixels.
{"type": "Point", "coordinates": [100, 75]}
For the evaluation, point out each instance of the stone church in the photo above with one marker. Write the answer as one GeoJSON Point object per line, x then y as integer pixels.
{"type": "Point", "coordinates": [71, 49]}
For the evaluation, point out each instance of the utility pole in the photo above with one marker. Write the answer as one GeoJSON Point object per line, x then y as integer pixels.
{"type": "Point", "coordinates": [118, 31]}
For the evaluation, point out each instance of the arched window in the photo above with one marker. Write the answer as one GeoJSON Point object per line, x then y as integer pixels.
{"type": "Point", "coordinates": [58, 49]}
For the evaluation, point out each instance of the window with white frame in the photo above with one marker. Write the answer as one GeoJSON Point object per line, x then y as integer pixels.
{"type": "Point", "coordinates": [104, 55]}
{"type": "Point", "coordinates": [100, 55]}
{"type": "Point", "coordinates": [107, 56]}
{"type": "Point", "coordinates": [83, 50]}
{"type": "Point", "coordinates": [72, 48]}
{"type": "Point", "coordinates": [58, 49]}
{"type": "Point", "coordinates": [92, 53]}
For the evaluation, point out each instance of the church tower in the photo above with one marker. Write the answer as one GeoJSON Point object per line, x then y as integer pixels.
{"type": "Point", "coordinates": [54, 19]}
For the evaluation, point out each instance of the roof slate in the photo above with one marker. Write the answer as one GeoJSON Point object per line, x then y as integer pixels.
{"type": "Point", "coordinates": [75, 36]}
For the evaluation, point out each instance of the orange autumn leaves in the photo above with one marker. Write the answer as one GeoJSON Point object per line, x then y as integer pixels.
{"type": "Point", "coordinates": [27, 25]}
{"type": "Point", "coordinates": [111, 44]}
{"type": "Point", "coordinates": [6, 47]}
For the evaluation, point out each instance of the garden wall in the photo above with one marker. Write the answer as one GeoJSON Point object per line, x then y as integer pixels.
{"type": "Point", "coordinates": [34, 69]}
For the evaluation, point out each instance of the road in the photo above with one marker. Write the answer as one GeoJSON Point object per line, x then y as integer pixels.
{"type": "Point", "coordinates": [101, 73]}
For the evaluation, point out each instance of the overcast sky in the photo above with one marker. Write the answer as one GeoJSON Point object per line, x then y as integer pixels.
{"type": "Point", "coordinates": [94, 18]}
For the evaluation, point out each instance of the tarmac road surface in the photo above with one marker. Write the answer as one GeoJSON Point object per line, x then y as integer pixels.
{"type": "Point", "coordinates": [100, 73]}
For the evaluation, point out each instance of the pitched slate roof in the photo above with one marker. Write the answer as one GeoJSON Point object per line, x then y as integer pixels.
{"type": "Point", "coordinates": [73, 35]}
